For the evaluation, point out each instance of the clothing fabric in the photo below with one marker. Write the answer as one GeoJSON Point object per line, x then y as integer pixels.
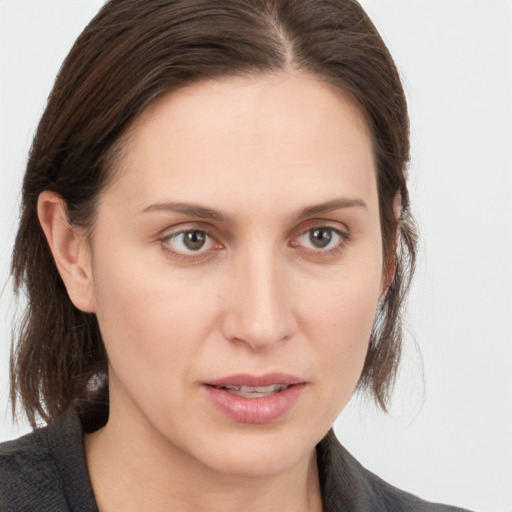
{"type": "Point", "coordinates": [46, 471]}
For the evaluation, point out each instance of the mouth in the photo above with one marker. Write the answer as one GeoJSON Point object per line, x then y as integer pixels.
{"type": "Point", "coordinates": [257, 400]}
{"type": "Point", "coordinates": [253, 391]}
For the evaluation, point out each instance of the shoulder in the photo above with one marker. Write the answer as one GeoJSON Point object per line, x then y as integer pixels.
{"type": "Point", "coordinates": [348, 486]}
{"type": "Point", "coordinates": [44, 470]}
{"type": "Point", "coordinates": [30, 478]}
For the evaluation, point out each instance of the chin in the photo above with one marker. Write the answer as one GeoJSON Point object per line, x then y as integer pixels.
{"type": "Point", "coordinates": [258, 451]}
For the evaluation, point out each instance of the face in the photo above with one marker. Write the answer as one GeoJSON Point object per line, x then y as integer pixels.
{"type": "Point", "coordinates": [237, 265]}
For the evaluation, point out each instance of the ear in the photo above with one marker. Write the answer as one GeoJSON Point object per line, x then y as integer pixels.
{"type": "Point", "coordinates": [390, 266]}
{"type": "Point", "coordinates": [70, 250]}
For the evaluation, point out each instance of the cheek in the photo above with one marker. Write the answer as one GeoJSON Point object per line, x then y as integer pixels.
{"type": "Point", "coordinates": [348, 324]}
{"type": "Point", "coordinates": [148, 319]}
{"type": "Point", "coordinates": [339, 320]}
{"type": "Point", "coordinates": [344, 300]}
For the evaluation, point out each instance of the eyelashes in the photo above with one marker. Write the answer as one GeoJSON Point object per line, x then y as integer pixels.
{"type": "Point", "coordinates": [321, 238]}
{"type": "Point", "coordinates": [191, 241]}
{"type": "Point", "coordinates": [192, 244]}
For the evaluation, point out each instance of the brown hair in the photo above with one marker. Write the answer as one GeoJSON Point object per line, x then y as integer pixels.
{"type": "Point", "coordinates": [132, 52]}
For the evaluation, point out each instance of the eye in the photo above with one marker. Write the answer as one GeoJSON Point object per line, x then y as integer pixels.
{"type": "Point", "coordinates": [321, 238]}
{"type": "Point", "coordinates": [189, 242]}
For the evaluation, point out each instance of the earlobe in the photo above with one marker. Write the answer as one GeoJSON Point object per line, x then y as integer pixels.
{"type": "Point", "coordinates": [70, 250]}
{"type": "Point", "coordinates": [389, 274]}
{"type": "Point", "coordinates": [390, 267]}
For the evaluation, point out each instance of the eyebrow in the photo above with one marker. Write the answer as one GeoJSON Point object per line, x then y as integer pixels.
{"type": "Point", "coordinates": [202, 212]}
{"type": "Point", "coordinates": [329, 206]}
{"type": "Point", "coordinates": [189, 209]}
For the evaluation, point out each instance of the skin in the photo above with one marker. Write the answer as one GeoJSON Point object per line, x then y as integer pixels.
{"type": "Point", "coordinates": [258, 297]}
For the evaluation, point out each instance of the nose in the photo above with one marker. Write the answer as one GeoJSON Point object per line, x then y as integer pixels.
{"type": "Point", "coordinates": [259, 310]}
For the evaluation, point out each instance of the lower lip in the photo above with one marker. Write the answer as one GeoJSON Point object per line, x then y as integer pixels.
{"type": "Point", "coordinates": [255, 410]}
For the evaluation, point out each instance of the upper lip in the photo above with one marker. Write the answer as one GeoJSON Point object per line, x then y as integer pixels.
{"type": "Point", "coordinates": [244, 379]}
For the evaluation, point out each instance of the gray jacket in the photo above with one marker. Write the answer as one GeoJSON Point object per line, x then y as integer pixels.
{"type": "Point", "coordinates": [46, 471]}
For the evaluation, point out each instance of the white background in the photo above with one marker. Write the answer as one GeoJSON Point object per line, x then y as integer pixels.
{"type": "Point", "coordinates": [449, 435]}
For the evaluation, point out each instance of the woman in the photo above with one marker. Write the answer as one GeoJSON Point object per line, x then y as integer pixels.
{"type": "Point", "coordinates": [216, 242]}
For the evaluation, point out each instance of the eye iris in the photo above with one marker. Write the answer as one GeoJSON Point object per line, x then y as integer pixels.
{"type": "Point", "coordinates": [320, 237]}
{"type": "Point", "coordinates": [194, 240]}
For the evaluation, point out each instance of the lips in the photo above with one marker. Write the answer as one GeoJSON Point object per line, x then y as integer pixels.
{"type": "Point", "coordinates": [253, 391]}
{"type": "Point", "coordinates": [255, 399]}
{"type": "Point", "coordinates": [256, 380]}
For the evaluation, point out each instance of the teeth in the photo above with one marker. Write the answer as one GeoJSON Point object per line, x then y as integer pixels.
{"type": "Point", "coordinates": [253, 391]}
{"type": "Point", "coordinates": [230, 386]}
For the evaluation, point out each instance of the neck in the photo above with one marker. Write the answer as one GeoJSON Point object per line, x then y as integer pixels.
{"type": "Point", "coordinates": [132, 470]}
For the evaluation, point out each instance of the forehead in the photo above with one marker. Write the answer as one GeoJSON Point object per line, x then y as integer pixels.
{"type": "Point", "coordinates": [274, 134]}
